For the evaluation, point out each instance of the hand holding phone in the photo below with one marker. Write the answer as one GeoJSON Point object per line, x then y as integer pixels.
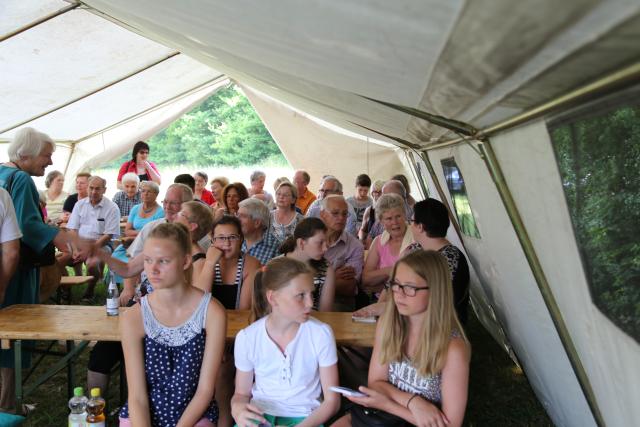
{"type": "Point", "coordinates": [347, 391]}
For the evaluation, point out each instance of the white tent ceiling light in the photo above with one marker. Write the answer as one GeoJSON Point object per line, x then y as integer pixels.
{"type": "Point", "coordinates": [438, 56]}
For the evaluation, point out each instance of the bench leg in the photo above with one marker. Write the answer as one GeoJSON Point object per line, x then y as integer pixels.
{"type": "Point", "coordinates": [17, 354]}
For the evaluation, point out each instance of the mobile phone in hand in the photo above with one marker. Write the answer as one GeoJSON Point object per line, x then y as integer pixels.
{"type": "Point", "coordinates": [347, 391]}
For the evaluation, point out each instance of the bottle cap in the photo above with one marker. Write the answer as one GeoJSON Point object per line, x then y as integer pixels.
{"type": "Point", "coordinates": [78, 392]}
{"type": "Point", "coordinates": [95, 392]}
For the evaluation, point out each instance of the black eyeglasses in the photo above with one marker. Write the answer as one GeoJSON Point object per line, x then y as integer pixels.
{"type": "Point", "coordinates": [408, 290]}
{"type": "Point", "coordinates": [231, 238]}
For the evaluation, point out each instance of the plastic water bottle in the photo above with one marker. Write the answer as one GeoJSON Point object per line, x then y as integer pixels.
{"type": "Point", "coordinates": [78, 405]}
{"type": "Point", "coordinates": [95, 410]}
{"type": "Point", "coordinates": [113, 302]}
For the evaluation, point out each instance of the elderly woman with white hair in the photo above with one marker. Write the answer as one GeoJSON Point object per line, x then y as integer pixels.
{"type": "Point", "coordinates": [387, 248]}
{"type": "Point", "coordinates": [30, 153]}
{"type": "Point", "coordinates": [129, 196]}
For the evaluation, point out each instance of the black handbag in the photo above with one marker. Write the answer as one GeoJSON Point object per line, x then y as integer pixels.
{"type": "Point", "coordinates": [28, 257]}
{"type": "Point", "coordinates": [367, 417]}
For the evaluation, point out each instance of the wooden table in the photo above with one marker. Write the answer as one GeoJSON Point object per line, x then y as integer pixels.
{"type": "Point", "coordinates": [90, 323]}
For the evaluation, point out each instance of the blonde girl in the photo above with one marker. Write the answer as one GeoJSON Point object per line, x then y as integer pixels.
{"type": "Point", "coordinates": [286, 359]}
{"type": "Point", "coordinates": [172, 341]}
{"type": "Point", "coordinates": [419, 370]}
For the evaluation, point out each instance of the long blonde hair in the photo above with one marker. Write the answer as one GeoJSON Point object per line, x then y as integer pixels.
{"type": "Point", "coordinates": [440, 322]}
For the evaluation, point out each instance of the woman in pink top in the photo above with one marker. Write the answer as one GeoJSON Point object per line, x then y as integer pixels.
{"type": "Point", "coordinates": [387, 248]}
{"type": "Point", "coordinates": [146, 170]}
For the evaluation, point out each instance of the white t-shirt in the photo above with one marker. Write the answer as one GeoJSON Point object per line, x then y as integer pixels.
{"type": "Point", "coordinates": [9, 229]}
{"type": "Point", "coordinates": [286, 385]}
{"type": "Point", "coordinates": [92, 222]}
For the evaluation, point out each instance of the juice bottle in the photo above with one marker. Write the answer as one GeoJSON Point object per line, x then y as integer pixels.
{"type": "Point", "coordinates": [95, 409]}
{"type": "Point", "coordinates": [78, 404]}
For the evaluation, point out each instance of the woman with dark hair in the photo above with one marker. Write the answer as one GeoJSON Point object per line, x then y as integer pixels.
{"type": "Point", "coordinates": [308, 244]}
{"type": "Point", "coordinates": [146, 170]}
{"type": "Point", "coordinates": [232, 194]}
{"type": "Point", "coordinates": [228, 274]}
{"type": "Point", "coordinates": [200, 192]}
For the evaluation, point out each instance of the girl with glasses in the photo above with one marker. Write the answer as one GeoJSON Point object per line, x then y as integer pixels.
{"type": "Point", "coordinates": [419, 371]}
{"type": "Point", "coordinates": [228, 274]}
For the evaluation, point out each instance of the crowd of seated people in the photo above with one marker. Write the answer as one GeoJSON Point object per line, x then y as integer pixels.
{"type": "Point", "coordinates": [184, 261]}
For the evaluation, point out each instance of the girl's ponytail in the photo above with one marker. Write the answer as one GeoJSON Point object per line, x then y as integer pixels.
{"type": "Point", "coordinates": [288, 245]}
{"type": "Point", "coordinates": [259, 305]}
{"type": "Point", "coordinates": [275, 275]}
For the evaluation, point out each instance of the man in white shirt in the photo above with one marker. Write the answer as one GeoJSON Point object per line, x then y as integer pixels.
{"type": "Point", "coordinates": [9, 241]}
{"type": "Point", "coordinates": [95, 218]}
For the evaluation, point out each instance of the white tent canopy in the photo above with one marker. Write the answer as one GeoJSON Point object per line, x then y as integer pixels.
{"type": "Point", "coordinates": [100, 75]}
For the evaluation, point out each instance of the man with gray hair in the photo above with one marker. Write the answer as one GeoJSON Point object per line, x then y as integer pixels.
{"type": "Point", "coordinates": [344, 252]}
{"type": "Point", "coordinates": [330, 185]}
{"type": "Point", "coordinates": [95, 218]}
{"type": "Point", "coordinates": [258, 241]}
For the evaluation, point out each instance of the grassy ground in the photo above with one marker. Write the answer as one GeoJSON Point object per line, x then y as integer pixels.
{"type": "Point", "coordinates": [499, 393]}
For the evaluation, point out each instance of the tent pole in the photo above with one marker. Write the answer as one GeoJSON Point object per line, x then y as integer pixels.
{"type": "Point", "coordinates": [493, 166]}
{"type": "Point", "coordinates": [611, 82]}
{"type": "Point", "coordinates": [38, 21]}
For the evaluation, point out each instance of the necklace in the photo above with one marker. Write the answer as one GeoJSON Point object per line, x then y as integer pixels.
{"type": "Point", "coordinates": [148, 210]}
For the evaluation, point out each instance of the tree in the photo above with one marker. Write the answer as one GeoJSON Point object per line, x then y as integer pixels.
{"type": "Point", "coordinates": [223, 130]}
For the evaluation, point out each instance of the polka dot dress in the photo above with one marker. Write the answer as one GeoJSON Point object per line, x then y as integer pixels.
{"type": "Point", "coordinates": [172, 363]}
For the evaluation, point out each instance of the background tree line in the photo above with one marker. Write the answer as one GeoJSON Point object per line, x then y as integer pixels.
{"type": "Point", "coordinates": [223, 130]}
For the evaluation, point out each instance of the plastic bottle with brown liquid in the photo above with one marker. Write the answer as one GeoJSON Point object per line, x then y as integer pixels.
{"type": "Point", "coordinates": [95, 409]}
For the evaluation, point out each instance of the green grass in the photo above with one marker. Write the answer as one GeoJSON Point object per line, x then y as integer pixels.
{"type": "Point", "coordinates": [499, 393]}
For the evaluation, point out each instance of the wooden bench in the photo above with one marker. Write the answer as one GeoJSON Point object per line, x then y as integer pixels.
{"type": "Point", "coordinates": [68, 282]}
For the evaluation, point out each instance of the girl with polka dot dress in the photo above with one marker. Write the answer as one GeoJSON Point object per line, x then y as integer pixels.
{"type": "Point", "coordinates": [286, 360]}
{"type": "Point", "coordinates": [172, 341]}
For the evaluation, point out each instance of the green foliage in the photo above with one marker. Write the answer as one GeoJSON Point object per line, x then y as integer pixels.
{"type": "Point", "coordinates": [223, 130]}
{"type": "Point", "coordinates": [458, 191]}
{"type": "Point", "coordinates": [599, 160]}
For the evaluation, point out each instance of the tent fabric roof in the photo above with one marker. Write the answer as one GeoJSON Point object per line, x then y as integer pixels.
{"type": "Point", "coordinates": [481, 61]}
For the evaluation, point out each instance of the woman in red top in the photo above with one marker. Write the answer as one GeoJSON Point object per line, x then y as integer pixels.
{"type": "Point", "coordinates": [201, 192]}
{"type": "Point", "coordinates": [146, 170]}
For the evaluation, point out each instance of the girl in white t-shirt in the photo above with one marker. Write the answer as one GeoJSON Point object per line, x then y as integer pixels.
{"type": "Point", "coordinates": [290, 355]}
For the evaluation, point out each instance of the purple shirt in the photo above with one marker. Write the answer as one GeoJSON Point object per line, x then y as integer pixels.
{"type": "Point", "coordinates": [347, 250]}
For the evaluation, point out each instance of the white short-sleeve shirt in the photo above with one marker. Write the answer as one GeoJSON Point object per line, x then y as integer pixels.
{"type": "Point", "coordinates": [9, 229]}
{"type": "Point", "coordinates": [286, 384]}
{"type": "Point", "coordinates": [92, 222]}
